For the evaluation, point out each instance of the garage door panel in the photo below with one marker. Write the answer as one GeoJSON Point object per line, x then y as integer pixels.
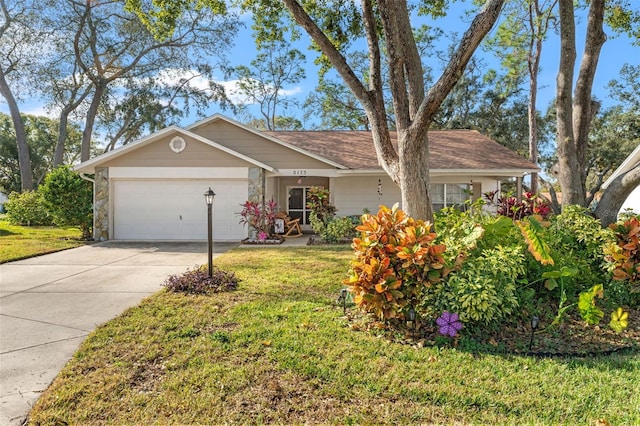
{"type": "Point", "coordinates": [176, 210]}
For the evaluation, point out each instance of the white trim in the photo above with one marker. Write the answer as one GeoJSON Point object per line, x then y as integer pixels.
{"type": "Point", "coordinates": [218, 117]}
{"type": "Point", "coordinates": [177, 144]}
{"type": "Point", "coordinates": [178, 172]}
{"type": "Point", "coordinates": [448, 172]}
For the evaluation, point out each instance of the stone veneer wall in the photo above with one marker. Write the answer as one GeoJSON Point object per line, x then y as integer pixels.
{"type": "Point", "coordinates": [256, 184]}
{"type": "Point", "coordinates": [101, 205]}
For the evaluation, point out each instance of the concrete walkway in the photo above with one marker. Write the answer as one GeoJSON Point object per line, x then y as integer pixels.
{"type": "Point", "coordinates": [49, 304]}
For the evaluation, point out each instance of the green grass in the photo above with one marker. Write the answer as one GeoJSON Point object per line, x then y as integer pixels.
{"type": "Point", "coordinates": [19, 242]}
{"type": "Point", "coordinates": [279, 350]}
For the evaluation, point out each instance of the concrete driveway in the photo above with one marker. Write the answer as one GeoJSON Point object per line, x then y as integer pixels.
{"type": "Point", "coordinates": [49, 304]}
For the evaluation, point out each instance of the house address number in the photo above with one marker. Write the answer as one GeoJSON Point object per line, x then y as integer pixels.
{"type": "Point", "coordinates": [299, 172]}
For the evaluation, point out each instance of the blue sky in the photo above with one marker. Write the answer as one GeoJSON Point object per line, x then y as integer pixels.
{"type": "Point", "coordinates": [615, 53]}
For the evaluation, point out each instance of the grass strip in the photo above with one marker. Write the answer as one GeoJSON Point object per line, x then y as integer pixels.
{"type": "Point", "coordinates": [21, 242]}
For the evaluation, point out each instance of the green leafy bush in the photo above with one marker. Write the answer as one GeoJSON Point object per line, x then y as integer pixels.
{"type": "Point", "coordinates": [318, 201]}
{"type": "Point", "coordinates": [337, 229]}
{"type": "Point", "coordinates": [483, 290]}
{"type": "Point", "coordinates": [27, 209]}
{"type": "Point", "coordinates": [197, 281]}
{"type": "Point", "coordinates": [69, 199]}
{"type": "Point", "coordinates": [396, 261]}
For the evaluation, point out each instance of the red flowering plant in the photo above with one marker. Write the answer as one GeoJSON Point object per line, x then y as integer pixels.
{"type": "Point", "coordinates": [259, 216]}
{"type": "Point", "coordinates": [510, 206]}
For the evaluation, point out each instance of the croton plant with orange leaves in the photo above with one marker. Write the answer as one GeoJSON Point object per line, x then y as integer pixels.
{"type": "Point", "coordinates": [626, 254]}
{"type": "Point", "coordinates": [396, 260]}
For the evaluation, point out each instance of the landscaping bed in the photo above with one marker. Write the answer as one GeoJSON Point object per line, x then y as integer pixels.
{"type": "Point", "coordinates": [572, 338]}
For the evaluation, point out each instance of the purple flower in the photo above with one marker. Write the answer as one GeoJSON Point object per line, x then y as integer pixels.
{"type": "Point", "coordinates": [262, 236]}
{"type": "Point", "coordinates": [449, 324]}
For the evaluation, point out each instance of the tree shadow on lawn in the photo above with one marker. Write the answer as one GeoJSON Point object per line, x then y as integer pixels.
{"type": "Point", "coordinates": [5, 232]}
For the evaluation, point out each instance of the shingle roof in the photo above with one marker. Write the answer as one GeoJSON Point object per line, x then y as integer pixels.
{"type": "Point", "coordinates": [449, 149]}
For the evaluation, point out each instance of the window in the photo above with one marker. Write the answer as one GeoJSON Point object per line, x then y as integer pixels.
{"type": "Point", "coordinates": [449, 195]}
{"type": "Point", "coordinates": [297, 204]}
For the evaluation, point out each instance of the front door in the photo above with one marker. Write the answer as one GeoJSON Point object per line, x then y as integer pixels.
{"type": "Point", "coordinates": [297, 204]}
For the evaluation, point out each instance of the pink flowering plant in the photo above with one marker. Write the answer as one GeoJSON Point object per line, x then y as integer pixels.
{"type": "Point", "coordinates": [258, 216]}
{"type": "Point", "coordinates": [449, 324]}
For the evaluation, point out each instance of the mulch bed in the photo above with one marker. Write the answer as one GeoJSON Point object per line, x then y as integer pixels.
{"type": "Point", "coordinates": [272, 240]}
{"type": "Point", "coordinates": [572, 338]}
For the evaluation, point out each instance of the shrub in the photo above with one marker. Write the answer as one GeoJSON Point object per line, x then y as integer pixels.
{"type": "Point", "coordinates": [510, 206]}
{"type": "Point", "coordinates": [396, 262]}
{"type": "Point", "coordinates": [69, 199]}
{"type": "Point", "coordinates": [483, 290]}
{"type": "Point", "coordinates": [339, 229]}
{"type": "Point", "coordinates": [27, 209]}
{"type": "Point", "coordinates": [318, 202]}
{"type": "Point", "coordinates": [197, 281]}
{"type": "Point", "coordinates": [624, 255]}
{"type": "Point", "coordinates": [335, 230]}
{"type": "Point", "coordinates": [257, 216]}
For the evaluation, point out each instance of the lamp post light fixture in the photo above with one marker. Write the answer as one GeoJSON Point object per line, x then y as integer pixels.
{"type": "Point", "coordinates": [411, 317]}
{"type": "Point", "coordinates": [343, 300]}
{"type": "Point", "coordinates": [208, 197]}
{"type": "Point", "coordinates": [535, 321]}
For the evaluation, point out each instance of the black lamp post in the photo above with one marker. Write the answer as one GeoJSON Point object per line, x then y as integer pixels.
{"type": "Point", "coordinates": [208, 197]}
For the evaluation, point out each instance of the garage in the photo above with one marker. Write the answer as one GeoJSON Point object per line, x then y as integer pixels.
{"type": "Point", "coordinates": [175, 209]}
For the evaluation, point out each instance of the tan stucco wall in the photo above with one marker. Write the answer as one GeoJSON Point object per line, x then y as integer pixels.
{"type": "Point", "coordinates": [256, 147]}
{"type": "Point", "coordinates": [196, 154]}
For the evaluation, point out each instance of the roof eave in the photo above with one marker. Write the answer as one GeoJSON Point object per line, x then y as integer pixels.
{"type": "Point", "coordinates": [452, 172]}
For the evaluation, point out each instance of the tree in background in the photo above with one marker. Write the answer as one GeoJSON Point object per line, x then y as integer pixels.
{"type": "Point", "coordinates": [518, 43]}
{"type": "Point", "coordinates": [41, 139]}
{"type": "Point", "coordinates": [97, 64]}
{"type": "Point", "coordinates": [387, 28]}
{"type": "Point", "coordinates": [69, 199]}
{"type": "Point", "coordinates": [111, 45]}
{"type": "Point", "coordinates": [263, 83]}
{"type": "Point", "coordinates": [19, 32]}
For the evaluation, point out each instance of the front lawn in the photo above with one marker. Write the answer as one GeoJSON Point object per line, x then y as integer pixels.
{"type": "Point", "coordinates": [279, 350]}
{"type": "Point", "coordinates": [19, 242]}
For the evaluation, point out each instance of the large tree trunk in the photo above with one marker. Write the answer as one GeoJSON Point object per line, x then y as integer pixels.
{"type": "Point", "coordinates": [533, 124]}
{"type": "Point", "coordinates": [409, 167]}
{"type": "Point", "coordinates": [615, 195]}
{"type": "Point", "coordinates": [24, 159]}
{"type": "Point", "coordinates": [568, 166]}
{"type": "Point", "coordinates": [414, 174]}
{"type": "Point", "coordinates": [574, 116]}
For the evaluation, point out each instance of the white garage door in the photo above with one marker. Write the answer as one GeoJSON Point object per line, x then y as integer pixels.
{"type": "Point", "coordinates": [176, 209]}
